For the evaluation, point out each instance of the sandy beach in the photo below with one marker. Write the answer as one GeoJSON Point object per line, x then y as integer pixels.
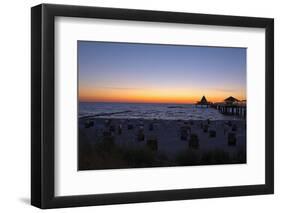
{"type": "Point", "coordinates": [107, 143]}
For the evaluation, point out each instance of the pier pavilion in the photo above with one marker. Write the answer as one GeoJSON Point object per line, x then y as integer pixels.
{"type": "Point", "coordinates": [203, 102]}
{"type": "Point", "coordinates": [232, 106]}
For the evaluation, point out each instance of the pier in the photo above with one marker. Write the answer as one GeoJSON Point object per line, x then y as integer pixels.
{"type": "Point", "coordinates": [231, 109]}
{"type": "Point", "coordinates": [230, 106]}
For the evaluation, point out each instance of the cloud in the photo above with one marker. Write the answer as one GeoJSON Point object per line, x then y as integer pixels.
{"type": "Point", "coordinates": [223, 90]}
{"type": "Point", "coordinates": [122, 88]}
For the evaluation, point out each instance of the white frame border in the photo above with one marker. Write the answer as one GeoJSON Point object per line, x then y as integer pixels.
{"type": "Point", "coordinates": [68, 181]}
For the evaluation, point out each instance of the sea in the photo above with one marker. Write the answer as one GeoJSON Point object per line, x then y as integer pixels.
{"type": "Point", "coordinates": [150, 111]}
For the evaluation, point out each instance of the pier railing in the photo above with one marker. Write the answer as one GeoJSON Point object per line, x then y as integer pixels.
{"type": "Point", "coordinates": [238, 109]}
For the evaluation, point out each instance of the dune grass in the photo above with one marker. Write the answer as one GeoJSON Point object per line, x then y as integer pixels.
{"type": "Point", "coordinates": [106, 154]}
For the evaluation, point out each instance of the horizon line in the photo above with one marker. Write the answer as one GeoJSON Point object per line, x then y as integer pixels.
{"type": "Point", "coordinates": [124, 102]}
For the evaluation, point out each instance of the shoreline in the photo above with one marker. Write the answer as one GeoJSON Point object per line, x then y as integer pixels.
{"type": "Point", "coordinates": [158, 111]}
{"type": "Point", "coordinates": [99, 116]}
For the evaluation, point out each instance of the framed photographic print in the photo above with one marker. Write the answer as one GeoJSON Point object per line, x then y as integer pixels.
{"type": "Point", "coordinates": [139, 106]}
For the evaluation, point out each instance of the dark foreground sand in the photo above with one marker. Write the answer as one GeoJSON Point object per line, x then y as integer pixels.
{"type": "Point", "coordinates": [122, 143]}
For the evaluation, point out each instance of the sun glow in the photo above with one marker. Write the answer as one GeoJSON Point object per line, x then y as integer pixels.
{"type": "Point", "coordinates": [180, 96]}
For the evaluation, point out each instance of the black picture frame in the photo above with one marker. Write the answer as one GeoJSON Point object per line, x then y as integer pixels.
{"type": "Point", "coordinates": [43, 117]}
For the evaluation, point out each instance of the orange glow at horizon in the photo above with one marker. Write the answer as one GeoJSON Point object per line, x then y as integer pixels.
{"type": "Point", "coordinates": [153, 95]}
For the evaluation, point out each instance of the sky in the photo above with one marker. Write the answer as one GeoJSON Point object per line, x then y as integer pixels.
{"type": "Point", "coordinates": [157, 73]}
